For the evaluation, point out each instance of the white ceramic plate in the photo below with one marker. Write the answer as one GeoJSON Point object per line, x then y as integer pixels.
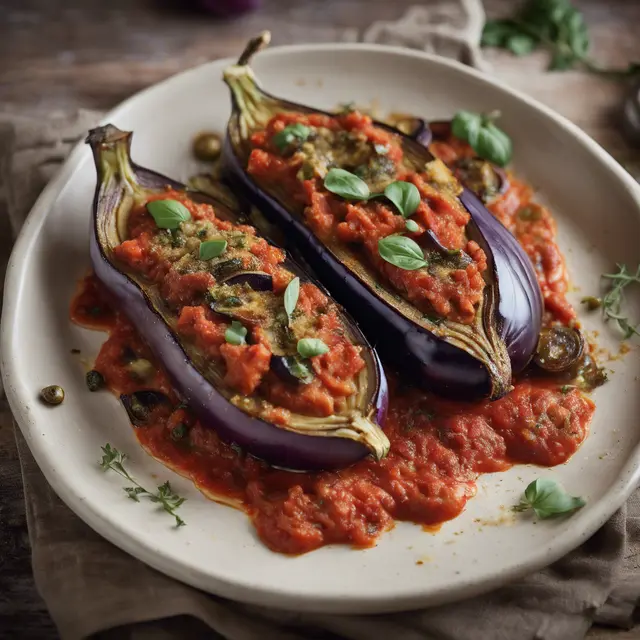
{"type": "Point", "coordinates": [598, 211]}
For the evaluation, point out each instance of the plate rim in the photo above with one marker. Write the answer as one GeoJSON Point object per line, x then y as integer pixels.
{"type": "Point", "coordinates": [618, 492]}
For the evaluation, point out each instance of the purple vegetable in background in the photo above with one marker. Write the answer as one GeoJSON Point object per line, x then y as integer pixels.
{"type": "Point", "coordinates": [229, 7]}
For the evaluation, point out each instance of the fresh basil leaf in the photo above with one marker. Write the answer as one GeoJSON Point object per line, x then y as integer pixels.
{"type": "Point", "coordinates": [299, 369]}
{"type": "Point", "coordinates": [496, 32]}
{"type": "Point", "coordinates": [212, 248]}
{"type": "Point", "coordinates": [548, 499]}
{"type": "Point", "coordinates": [577, 34]}
{"type": "Point", "coordinates": [291, 133]}
{"type": "Point", "coordinates": [309, 347]}
{"type": "Point", "coordinates": [346, 184]}
{"type": "Point", "coordinates": [411, 225]}
{"type": "Point", "coordinates": [402, 252]}
{"type": "Point", "coordinates": [405, 196]}
{"type": "Point", "coordinates": [168, 214]}
{"type": "Point", "coordinates": [520, 44]}
{"type": "Point", "coordinates": [236, 333]}
{"type": "Point", "coordinates": [291, 294]}
{"type": "Point", "coordinates": [465, 125]}
{"type": "Point", "coordinates": [493, 145]}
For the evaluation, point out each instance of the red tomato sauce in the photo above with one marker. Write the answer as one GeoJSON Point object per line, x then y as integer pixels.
{"type": "Point", "coordinates": [438, 447]}
{"type": "Point", "coordinates": [364, 223]}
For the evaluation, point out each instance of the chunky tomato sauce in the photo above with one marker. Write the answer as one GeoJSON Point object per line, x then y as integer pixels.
{"type": "Point", "coordinates": [192, 287]}
{"type": "Point", "coordinates": [352, 141]}
{"type": "Point", "coordinates": [438, 448]}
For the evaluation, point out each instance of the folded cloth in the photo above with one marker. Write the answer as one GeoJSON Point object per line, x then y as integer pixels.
{"type": "Point", "coordinates": [93, 589]}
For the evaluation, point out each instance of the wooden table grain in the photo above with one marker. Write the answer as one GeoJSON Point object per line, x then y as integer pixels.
{"type": "Point", "coordinates": [57, 56]}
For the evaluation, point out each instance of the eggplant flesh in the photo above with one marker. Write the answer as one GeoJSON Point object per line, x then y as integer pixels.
{"type": "Point", "coordinates": [305, 443]}
{"type": "Point", "coordinates": [468, 361]}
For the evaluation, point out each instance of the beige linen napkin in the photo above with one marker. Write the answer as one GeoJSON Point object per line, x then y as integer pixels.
{"type": "Point", "coordinates": [93, 589]}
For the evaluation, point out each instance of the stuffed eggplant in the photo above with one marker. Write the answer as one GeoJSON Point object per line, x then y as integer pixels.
{"type": "Point", "coordinates": [443, 290]}
{"type": "Point", "coordinates": [257, 350]}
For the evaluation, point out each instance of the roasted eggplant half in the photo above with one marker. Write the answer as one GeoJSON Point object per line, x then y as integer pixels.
{"type": "Point", "coordinates": [436, 282]}
{"type": "Point", "coordinates": [162, 270]}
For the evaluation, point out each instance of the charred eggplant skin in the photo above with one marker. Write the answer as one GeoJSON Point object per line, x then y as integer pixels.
{"type": "Point", "coordinates": [426, 358]}
{"type": "Point", "coordinates": [280, 447]}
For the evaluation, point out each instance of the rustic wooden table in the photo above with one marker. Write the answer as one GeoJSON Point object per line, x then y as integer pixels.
{"type": "Point", "coordinates": [58, 55]}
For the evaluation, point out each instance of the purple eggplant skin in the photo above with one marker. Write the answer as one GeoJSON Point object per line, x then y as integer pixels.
{"type": "Point", "coordinates": [257, 280]}
{"type": "Point", "coordinates": [426, 358]}
{"type": "Point", "coordinates": [277, 446]}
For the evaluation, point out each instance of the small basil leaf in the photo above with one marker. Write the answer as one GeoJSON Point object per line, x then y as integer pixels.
{"type": "Point", "coordinates": [548, 499]}
{"type": "Point", "coordinates": [520, 44]}
{"type": "Point", "coordinates": [411, 226]}
{"type": "Point", "coordinates": [465, 125]}
{"type": "Point", "coordinates": [168, 214]}
{"type": "Point", "coordinates": [289, 134]}
{"type": "Point", "coordinates": [346, 184]}
{"type": "Point", "coordinates": [309, 347]}
{"type": "Point", "coordinates": [493, 145]}
{"type": "Point", "coordinates": [212, 248]}
{"type": "Point", "coordinates": [299, 369]}
{"type": "Point", "coordinates": [236, 333]}
{"type": "Point", "coordinates": [402, 252]}
{"type": "Point", "coordinates": [405, 196]}
{"type": "Point", "coordinates": [291, 294]}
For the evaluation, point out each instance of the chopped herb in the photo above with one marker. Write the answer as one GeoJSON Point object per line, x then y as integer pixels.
{"type": "Point", "coordinates": [291, 294]}
{"type": "Point", "coordinates": [434, 319]}
{"type": "Point", "coordinates": [309, 347]}
{"type": "Point", "coordinates": [411, 226]}
{"type": "Point", "coordinates": [291, 133]}
{"type": "Point", "coordinates": [95, 380]}
{"type": "Point", "coordinates": [168, 214]}
{"type": "Point", "coordinates": [210, 249]}
{"type": "Point", "coordinates": [236, 333]}
{"type": "Point", "coordinates": [346, 107]}
{"type": "Point", "coordinates": [113, 460]}
{"type": "Point", "coordinates": [177, 240]}
{"type": "Point", "coordinates": [179, 431]}
{"type": "Point", "coordinates": [402, 252]}
{"type": "Point", "coordinates": [548, 500]}
{"type": "Point", "coordinates": [566, 388]}
{"type": "Point", "coordinates": [613, 299]}
{"type": "Point", "coordinates": [299, 369]}
{"type": "Point", "coordinates": [202, 233]}
{"type": "Point", "coordinates": [555, 25]}
{"type": "Point", "coordinates": [481, 133]}
{"type": "Point", "coordinates": [53, 394]}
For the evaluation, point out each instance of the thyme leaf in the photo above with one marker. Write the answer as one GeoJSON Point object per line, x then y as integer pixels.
{"type": "Point", "coordinates": [113, 460]}
{"type": "Point", "coordinates": [612, 301]}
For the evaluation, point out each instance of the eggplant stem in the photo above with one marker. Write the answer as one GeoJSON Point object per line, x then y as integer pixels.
{"type": "Point", "coordinates": [254, 45]}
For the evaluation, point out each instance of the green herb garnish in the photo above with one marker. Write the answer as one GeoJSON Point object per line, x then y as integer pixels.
{"type": "Point", "coordinates": [309, 347]}
{"type": "Point", "coordinates": [210, 249]}
{"type": "Point", "coordinates": [411, 226]}
{"type": "Point", "coordinates": [613, 299]}
{"type": "Point", "coordinates": [346, 185]}
{"type": "Point", "coordinates": [548, 500]}
{"type": "Point", "coordinates": [236, 333]}
{"type": "Point", "coordinates": [291, 294]}
{"type": "Point", "coordinates": [168, 214]}
{"type": "Point", "coordinates": [591, 303]}
{"type": "Point", "coordinates": [405, 196]}
{"type": "Point", "coordinates": [291, 133]}
{"type": "Point", "coordinates": [179, 431]}
{"type": "Point", "coordinates": [481, 133]}
{"type": "Point", "coordinates": [402, 252]}
{"type": "Point", "coordinates": [558, 27]}
{"type": "Point", "coordinates": [299, 369]}
{"type": "Point", "coordinates": [113, 460]}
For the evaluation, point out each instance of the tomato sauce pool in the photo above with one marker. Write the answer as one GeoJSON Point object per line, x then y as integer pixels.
{"type": "Point", "coordinates": [438, 447]}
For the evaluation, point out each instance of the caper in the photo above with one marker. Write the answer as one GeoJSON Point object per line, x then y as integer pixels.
{"type": "Point", "coordinates": [591, 303]}
{"type": "Point", "coordinates": [53, 394]}
{"type": "Point", "coordinates": [207, 146]}
{"type": "Point", "coordinates": [95, 380]}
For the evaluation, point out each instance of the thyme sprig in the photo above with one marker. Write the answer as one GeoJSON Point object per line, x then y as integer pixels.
{"type": "Point", "coordinates": [113, 460]}
{"type": "Point", "coordinates": [612, 301]}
